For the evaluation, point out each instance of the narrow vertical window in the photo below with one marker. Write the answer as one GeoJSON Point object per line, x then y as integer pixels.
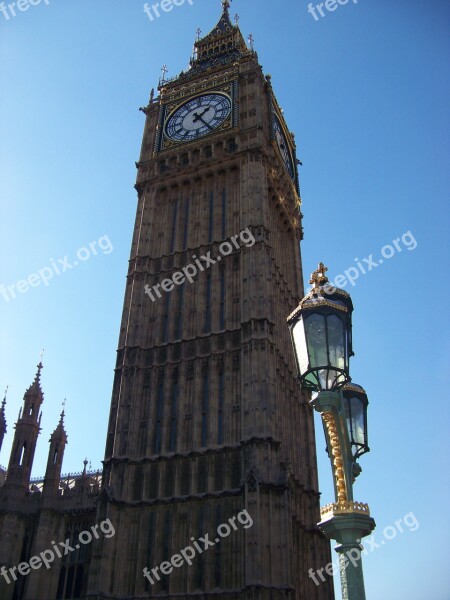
{"type": "Point", "coordinates": [211, 217]}
{"type": "Point", "coordinates": [205, 406]}
{"type": "Point", "coordinates": [174, 227]}
{"type": "Point", "coordinates": [179, 322]}
{"type": "Point", "coordinates": [224, 213]}
{"type": "Point", "coordinates": [159, 416]}
{"type": "Point", "coordinates": [61, 582]}
{"type": "Point", "coordinates": [166, 549]}
{"type": "Point", "coordinates": [218, 557]}
{"type": "Point", "coordinates": [169, 479]}
{"type": "Point", "coordinates": [78, 582]}
{"type": "Point", "coordinates": [185, 480]}
{"type": "Point", "coordinates": [150, 545]}
{"type": "Point", "coordinates": [186, 224]}
{"type": "Point", "coordinates": [69, 584]}
{"type": "Point", "coordinates": [200, 559]}
{"type": "Point", "coordinates": [208, 304]}
{"type": "Point", "coordinates": [173, 417]}
{"type": "Point", "coordinates": [222, 299]}
{"type": "Point", "coordinates": [165, 331]}
{"type": "Point", "coordinates": [220, 415]}
{"type": "Point", "coordinates": [22, 454]}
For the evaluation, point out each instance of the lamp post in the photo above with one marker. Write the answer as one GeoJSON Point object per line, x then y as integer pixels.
{"type": "Point", "coordinates": [321, 331]}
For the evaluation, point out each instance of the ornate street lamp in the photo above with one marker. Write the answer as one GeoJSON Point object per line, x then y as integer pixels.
{"type": "Point", "coordinates": [321, 331]}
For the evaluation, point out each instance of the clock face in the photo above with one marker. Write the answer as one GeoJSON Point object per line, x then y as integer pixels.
{"type": "Point", "coordinates": [198, 117]}
{"type": "Point", "coordinates": [284, 147]}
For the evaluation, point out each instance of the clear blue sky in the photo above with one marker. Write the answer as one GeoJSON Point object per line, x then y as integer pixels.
{"type": "Point", "coordinates": [366, 91]}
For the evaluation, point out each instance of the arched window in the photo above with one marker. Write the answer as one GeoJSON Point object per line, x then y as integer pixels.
{"type": "Point", "coordinates": [22, 454]}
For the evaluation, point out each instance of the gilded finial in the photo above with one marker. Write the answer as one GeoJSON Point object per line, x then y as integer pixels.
{"type": "Point", "coordinates": [319, 278]}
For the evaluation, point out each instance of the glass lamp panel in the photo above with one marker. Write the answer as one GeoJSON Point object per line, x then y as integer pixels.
{"type": "Point", "coordinates": [336, 341]}
{"type": "Point", "coordinates": [301, 350]}
{"type": "Point", "coordinates": [348, 418]}
{"type": "Point", "coordinates": [316, 340]}
{"type": "Point", "coordinates": [335, 378]}
{"type": "Point", "coordinates": [311, 379]}
{"type": "Point", "coordinates": [324, 379]}
{"type": "Point", "coordinates": [357, 412]}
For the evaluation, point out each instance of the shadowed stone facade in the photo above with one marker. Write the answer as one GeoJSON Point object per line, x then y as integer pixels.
{"type": "Point", "coordinates": [207, 418]}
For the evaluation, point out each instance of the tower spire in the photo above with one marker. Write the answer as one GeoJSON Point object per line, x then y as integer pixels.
{"type": "Point", "coordinates": [26, 434]}
{"type": "Point", "coordinates": [58, 441]}
{"type": "Point", "coordinates": [3, 419]}
{"type": "Point", "coordinates": [223, 44]}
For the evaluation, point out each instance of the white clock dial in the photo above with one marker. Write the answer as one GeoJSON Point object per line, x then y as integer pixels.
{"type": "Point", "coordinates": [198, 117]}
{"type": "Point", "coordinates": [283, 147]}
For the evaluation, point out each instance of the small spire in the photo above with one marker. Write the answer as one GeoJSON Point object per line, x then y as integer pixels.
{"type": "Point", "coordinates": [226, 5]}
{"type": "Point", "coordinates": [236, 18]}
{"type": "Point", "coordinates": [60, 432]}
{"type": "Point", "coordinates": [85, 462]}
{"type": "Point", "coordinates": [35, 387]}
{"type": "Point", "coordinates": [3, 416]}
{"type": "Point", "coordinates": [198, 33]}
{"type": "Point", "coordinates": [40, 366]}
{"type": "Point", "coordinates": [319, 278]}
{"type": "Point", "coordinates": [251, 41]}
{"type": "Point", "coordinates": [164, 70]}
{"type": "Point", "coordinates": [63, 411]}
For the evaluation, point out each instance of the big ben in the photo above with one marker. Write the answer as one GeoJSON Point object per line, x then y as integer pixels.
{"type": "Point", "coordinates": [207, 419]}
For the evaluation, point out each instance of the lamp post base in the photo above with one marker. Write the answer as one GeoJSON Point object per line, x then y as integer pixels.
{"type": "Point", "coordinates": [348, 529]}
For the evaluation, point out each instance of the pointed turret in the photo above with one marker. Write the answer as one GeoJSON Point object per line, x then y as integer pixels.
{"type": "Point", "coordinates": [58, 441]}
{"type": "Point", "coordinates": [26, 434]}
{"type": "Point", "coordinates": [223, 44]}
{"type": "Point", "coordinates": [34, 396]}
{"type": "Point", "coordinates": [3, 420]}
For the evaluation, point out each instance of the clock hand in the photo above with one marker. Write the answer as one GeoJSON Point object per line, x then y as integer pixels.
{"type": "Point", "coordinates": [207, 124]}
{"type": "Point", "coordinates": [197, 116]}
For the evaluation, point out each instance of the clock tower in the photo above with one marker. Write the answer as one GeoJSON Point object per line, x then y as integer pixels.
{"type": "Point", "coordinates": [207, 420]}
